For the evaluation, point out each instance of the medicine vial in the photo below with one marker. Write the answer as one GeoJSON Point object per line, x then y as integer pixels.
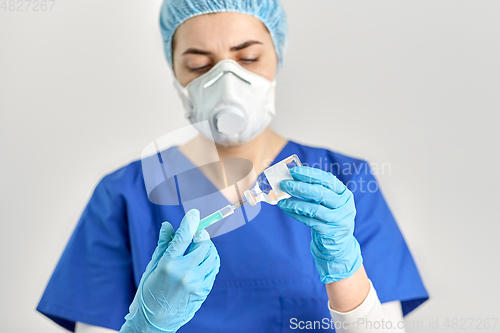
{"type": "Point", "coordinates": [267, 188]}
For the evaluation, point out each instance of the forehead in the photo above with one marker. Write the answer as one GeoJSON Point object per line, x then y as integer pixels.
{"type": "Point", "coordinates": [222, 28]}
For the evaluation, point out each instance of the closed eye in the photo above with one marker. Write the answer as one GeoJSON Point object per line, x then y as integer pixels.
{"type": "Point", "coordinates": [198, 68]}
{"type": "Point", "coordinates": [250, 60]}
{"type": "Point", "coordinates": [205, 67]}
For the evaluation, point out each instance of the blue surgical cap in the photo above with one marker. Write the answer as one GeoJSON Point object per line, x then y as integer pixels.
{"type": "Point", "coordinates": [270, 12]}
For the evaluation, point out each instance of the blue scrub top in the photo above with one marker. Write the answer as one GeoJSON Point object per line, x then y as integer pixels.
{"type": "Point", "coordinates": [267, 274]}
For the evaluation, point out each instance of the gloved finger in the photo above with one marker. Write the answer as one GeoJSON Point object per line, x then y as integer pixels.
{"type": "Point", "coordinates": [201, 236]}
{"type": "Point", "coordinates": [332, 233]}
{"type": "Point", "coordinates": [315, 193]}
{"type": "Point", "coordinates": [210, 259]}
{"type": "Point", "coordinates": [212, 270]}
{"type": "Point", "coordinates": [199, 251]}
{"type": "Point", "coordinates": [318, 176]}
{"type": "Point", "coordinates": [314, 224]}
{"type": "Point", "coordinates": [184, 234]}
{"type": "Point", "coordinates": [209, 279]}
{"type": "Point", "coordinates": [202, 280]}
{"type": "Point", "coordinates": [210, 266]}
{"type": "Point", "coordinates": [164, 239]}
{"type": "Point", "coordinates": [208, 263]}
{"type": "Point", "coordinates": [317, 211]}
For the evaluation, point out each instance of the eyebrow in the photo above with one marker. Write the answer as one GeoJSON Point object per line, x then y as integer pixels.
{"type": "Point", "coordinates": [242, 46]}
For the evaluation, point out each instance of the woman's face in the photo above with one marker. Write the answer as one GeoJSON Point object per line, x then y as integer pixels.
{"type": "Point", "coordinates": [204, 40]}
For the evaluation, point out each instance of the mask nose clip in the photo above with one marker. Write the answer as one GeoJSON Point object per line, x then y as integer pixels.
{"type": "Point", "coordinates": [220, 75]}
{"type": "Point", "coordinates": [230, 120]}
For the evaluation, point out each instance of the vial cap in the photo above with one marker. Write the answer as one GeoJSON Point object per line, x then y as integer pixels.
{"type": "Point", "coordinates": [249, 198]}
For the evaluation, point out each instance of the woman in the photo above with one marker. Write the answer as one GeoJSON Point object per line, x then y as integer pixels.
{"type": "Point", "coordinates": [263, 276]}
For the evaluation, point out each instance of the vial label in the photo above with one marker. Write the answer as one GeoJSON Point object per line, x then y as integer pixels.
{"type": "Point", "coordinates": [275, 174]}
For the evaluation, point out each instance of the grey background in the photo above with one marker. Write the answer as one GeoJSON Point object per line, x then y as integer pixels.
{"type": "Point", "coordinates": [85, 87]}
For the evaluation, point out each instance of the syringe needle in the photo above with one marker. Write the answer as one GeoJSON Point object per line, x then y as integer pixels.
{"type": "Point", "coordinates": [239, 204]}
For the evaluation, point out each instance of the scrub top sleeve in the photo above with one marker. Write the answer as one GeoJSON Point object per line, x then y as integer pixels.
{"type": "Point", "coordinates": [93, 281]}
{"type": "Point", "coordinates": [386, 257]}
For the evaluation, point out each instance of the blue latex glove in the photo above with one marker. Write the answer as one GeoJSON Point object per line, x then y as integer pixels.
{"type": "Point", "coordinates": [327, 206]}
{"type": "Point", "coordinates": [174, 285]}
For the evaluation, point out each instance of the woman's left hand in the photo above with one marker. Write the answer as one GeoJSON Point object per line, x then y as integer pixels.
{"type": "Point", "coordinates": [327, 206]}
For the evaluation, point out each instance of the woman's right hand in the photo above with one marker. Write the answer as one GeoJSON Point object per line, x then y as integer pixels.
{"type": "Point", "coordinates": [174, 285]}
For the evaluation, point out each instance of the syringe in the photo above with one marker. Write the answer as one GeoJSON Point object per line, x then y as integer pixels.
{"type": "Point", "coordinates": [218, 215]}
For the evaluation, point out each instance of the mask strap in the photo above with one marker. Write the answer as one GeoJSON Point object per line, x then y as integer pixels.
{"type": "Point", "coordinates": [184, 94]}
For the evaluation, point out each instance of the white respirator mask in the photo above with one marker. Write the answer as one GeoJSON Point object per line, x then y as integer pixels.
{"type": "Point", "coordinates": [238, 104]}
